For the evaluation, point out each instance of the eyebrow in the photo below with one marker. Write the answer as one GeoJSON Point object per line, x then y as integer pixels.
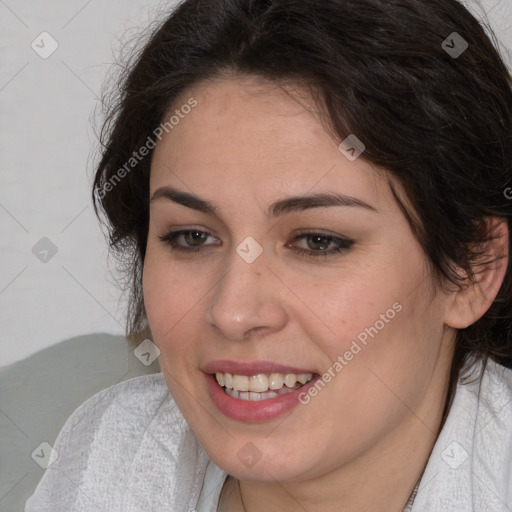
{"type": "Point", "coordinates": [279, 208]}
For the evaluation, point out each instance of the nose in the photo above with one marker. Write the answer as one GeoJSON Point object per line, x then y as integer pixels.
{"type": "Point", "coordinates": [247, 301]}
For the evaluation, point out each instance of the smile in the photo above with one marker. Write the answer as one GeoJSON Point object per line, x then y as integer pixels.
{"type": "Point", "coordinates": [256, 391]}
{"type": "Point", "coordinates": [261, 386]}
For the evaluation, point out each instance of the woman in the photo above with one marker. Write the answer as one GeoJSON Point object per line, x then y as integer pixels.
{"type": "Point", "coordinates": [312, 201]}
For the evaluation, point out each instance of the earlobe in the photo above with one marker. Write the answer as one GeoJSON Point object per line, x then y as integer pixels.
{"type": "Point", "coordinates": [471, 302]}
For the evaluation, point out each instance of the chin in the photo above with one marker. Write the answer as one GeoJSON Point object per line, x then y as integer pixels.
{"type": "Point", "coordinates": [264, 461]}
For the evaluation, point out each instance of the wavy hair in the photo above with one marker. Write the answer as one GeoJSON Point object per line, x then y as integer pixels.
{"type": "Point", "coordinates": [384, 70]}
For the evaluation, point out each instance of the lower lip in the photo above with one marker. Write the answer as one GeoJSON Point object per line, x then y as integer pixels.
{"type": "Point", "coordinates": [254, 411]}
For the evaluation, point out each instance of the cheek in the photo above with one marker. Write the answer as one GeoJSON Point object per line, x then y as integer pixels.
{"type": "Point", "coordinates": [165, 296]}
{"type": "Point", "coordinates": [156, 283]}
{"type": "Point", "coordinates": [361, 305]}
{"type": "Point", "coordinates": [165, 310]}
{"type": "Point", "coordinates": [389, 356]}
{"type": "Point", "coordinates": [381, 317]}
{"type": "Point", "coordinates": [173, 300]}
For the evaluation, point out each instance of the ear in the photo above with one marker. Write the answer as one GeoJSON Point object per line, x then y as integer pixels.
{"type": "Point", "coordinates": [470, 303]}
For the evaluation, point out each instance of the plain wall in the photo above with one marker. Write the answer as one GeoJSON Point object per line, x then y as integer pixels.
{"type": "Point", "coordinates": [47, 145]}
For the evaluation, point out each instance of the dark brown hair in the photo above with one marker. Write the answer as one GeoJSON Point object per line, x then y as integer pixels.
{"type": "Point", "coordinates": [384, 70]}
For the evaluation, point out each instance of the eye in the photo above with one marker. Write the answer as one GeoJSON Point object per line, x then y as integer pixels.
{"type": "Point", "coordinates": [317, 242]}
{"type": "Point", "coordinates": [193, 236]}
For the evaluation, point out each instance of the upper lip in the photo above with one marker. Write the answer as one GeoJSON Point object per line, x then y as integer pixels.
{"type": "Point", "coordinates": [250, 368]}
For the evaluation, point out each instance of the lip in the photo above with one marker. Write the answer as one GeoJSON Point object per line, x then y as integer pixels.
{"type": "Point", "coordinates": [257, 411]}
{"type": "Point", "coordinates": [251, 368]}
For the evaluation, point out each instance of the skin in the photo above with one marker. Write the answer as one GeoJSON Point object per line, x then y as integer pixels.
{"type": "Point", "coordinates": [362, 443]}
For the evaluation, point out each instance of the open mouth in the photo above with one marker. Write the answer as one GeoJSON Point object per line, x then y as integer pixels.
{"type": "Point", "coordinates": [256, 391]}
{"type": "Point", "coordinates": [261, 386]}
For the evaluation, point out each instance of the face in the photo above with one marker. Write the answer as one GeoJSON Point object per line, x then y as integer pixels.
{"type": "Point", "coordinates": [334, 298]}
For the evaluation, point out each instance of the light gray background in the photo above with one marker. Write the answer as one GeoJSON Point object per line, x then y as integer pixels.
{"type": "Point", "coordinates": [47, 145]}
{"type": "Point", "coordinates": [69, 304]}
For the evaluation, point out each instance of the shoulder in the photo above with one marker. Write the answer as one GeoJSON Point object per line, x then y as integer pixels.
{"type": "Point", "coordinates": [470, 467]}
{"type": "Point", "coordinates": [128, 407]}
{"type": "Point", "coordinates": [491, 438]}
{"type": "Point", "coordinates": [491, 396]}
{"type": "Point", "coordinates": [138, 397]}
{"type": "Point", "coordinates": [497, 379]}
{"type": "Point", "coordinates": [117, 448]}
{"type": "Point", "coordinates": [493, 427]}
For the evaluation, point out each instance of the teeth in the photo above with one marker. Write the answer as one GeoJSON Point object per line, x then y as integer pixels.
{"type": "Point", "coordinates": [290, 380]}
{"type": "Point", "coordinates": [253, 397]}
{"type": "Point", "coordinates": [258, 383]}
{"type": "Point", "coordinates": [250, 396]}
{"type": "Point", "coordinates": [260, 386]}
{"type": "Point", "coordinates": [276, 381]}
{"type": "Point", "coordinates": [304, 377]}
{"type": "Point", "coordinates": [241, 382]}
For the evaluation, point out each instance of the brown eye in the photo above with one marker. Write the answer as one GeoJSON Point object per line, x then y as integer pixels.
{"type": "Point", "coordinates": [191, 237]}
{"type": "Point", "coordinates": [317, 244]}
{"type": "Point", "coordinates": [194, 237]}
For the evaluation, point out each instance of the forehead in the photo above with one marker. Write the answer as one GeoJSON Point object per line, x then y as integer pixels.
{"type": "Point", "coordinates": [245, 134]}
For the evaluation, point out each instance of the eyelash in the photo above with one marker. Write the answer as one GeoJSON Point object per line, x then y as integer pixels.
{"type": "Point", "coordinates": [343, 243]}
